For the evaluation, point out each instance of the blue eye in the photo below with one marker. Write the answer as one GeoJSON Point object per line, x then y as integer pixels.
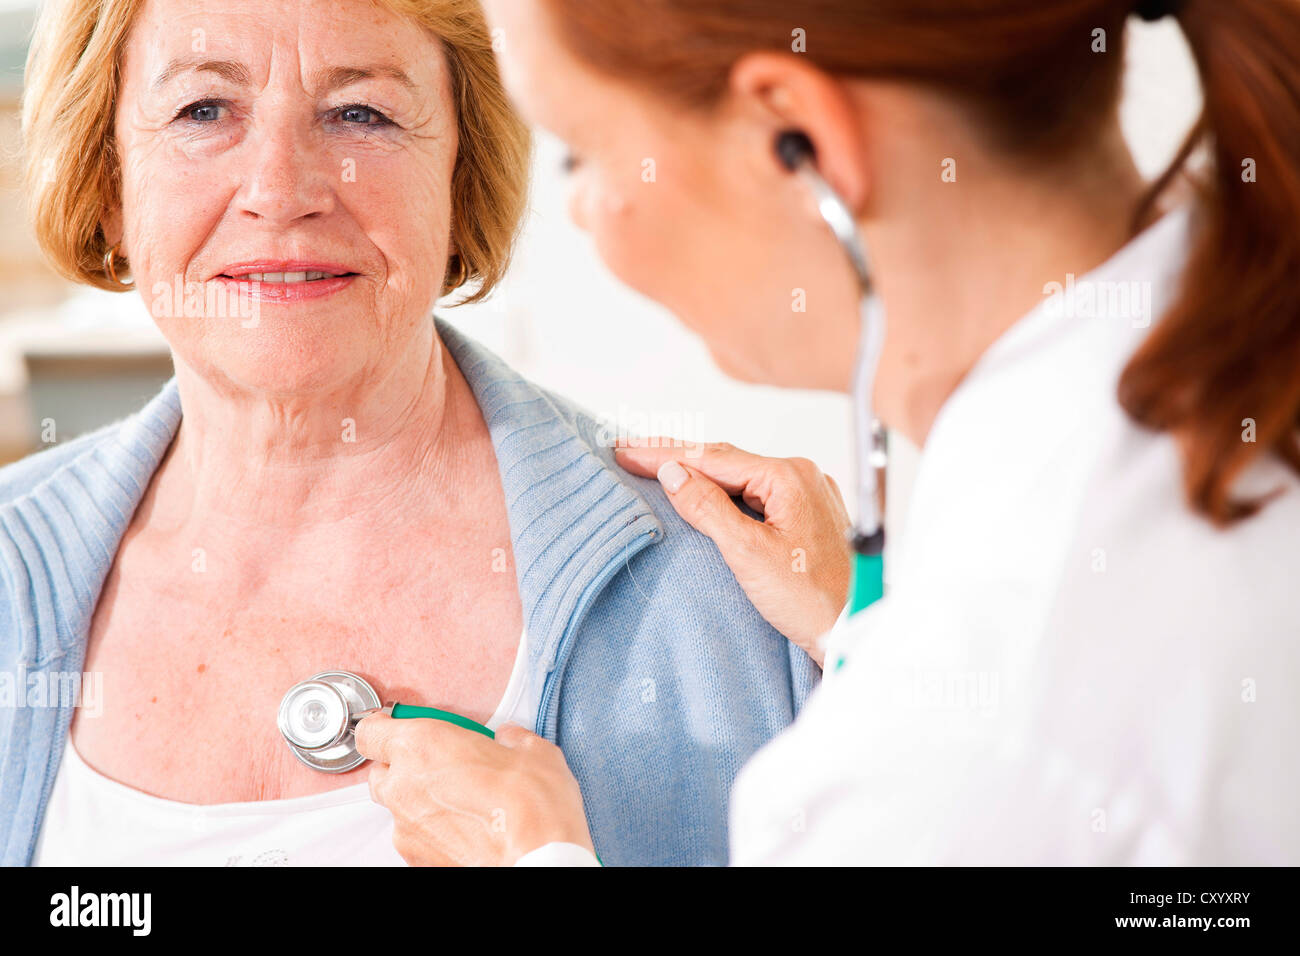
{"type": "Point", "coordinates": [208, 106]}
{"type": "Point", "coordinates": [356, 114]}
{"type": "Point", "coordinates": [358, 109]}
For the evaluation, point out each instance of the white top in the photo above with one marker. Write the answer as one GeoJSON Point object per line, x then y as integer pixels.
{"type": "Point", "coordinates": [1070, 666]}
{"type": "Point", "coordinates": [92, 820]}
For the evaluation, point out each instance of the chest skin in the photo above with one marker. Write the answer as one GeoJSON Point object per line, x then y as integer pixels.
{"type": "Point", "coordinates": [195, 662]}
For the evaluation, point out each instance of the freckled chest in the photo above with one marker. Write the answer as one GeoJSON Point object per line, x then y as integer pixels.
{"type": "Point", "coordinates": [194, 669]}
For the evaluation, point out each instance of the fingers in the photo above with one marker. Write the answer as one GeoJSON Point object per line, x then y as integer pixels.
{"type": "Point", "coordinates": [709, 509]}
{"type": "Point", "coordinates": [378, 779]}
{"type": "Point", "coordinates": [388, 740]}
{"type": "Point", "coordinates": [374, 737]}
{"type": "Point", "coordinates": [516, 737]}
{"type": "Point", "coordinates": [731, 468]}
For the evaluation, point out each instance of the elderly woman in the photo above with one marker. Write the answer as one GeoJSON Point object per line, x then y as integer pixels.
{"type": "Point", "coordinates": [333, 479]}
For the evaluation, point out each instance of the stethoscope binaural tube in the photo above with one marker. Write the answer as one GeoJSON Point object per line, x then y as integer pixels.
{"type": "Point", "coordinates": [318, 719]}
{"type": "Point", "coordinates": [796, 153]}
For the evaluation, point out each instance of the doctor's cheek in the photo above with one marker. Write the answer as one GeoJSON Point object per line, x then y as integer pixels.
{"type": "Point", "coordinates": [603, 213]}
{"type": "Point", "coordinates": [576, 203]}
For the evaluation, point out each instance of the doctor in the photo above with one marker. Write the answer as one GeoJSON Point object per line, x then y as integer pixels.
{"type": "Point", "coordinates": [1089, 651]}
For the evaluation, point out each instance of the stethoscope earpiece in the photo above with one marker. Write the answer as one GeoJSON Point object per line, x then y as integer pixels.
{"type": "Point", "coordinates": [793, 147]}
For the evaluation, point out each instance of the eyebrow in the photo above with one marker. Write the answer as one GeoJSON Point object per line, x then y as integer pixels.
{"type": "Point", "coordinates": [237, 73]}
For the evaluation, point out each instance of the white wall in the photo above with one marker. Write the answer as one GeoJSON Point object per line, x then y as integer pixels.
{"type": "Point", "coordinates": [625, 358]}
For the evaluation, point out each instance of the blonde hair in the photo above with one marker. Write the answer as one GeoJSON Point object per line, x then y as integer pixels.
{"type": "Point", "coordinates": [72, 167]}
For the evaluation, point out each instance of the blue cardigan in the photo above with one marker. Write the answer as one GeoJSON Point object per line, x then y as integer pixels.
{"type": "Point", "coordinates": [659, 678]}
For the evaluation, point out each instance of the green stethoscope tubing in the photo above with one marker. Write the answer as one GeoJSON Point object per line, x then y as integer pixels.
{"type": "Point", "coordinates": [404, 711]}
{"type": "Point", "coordinates": [868, 585]}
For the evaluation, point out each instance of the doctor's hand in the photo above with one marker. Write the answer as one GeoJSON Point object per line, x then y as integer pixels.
{"type": "Point", "coordinates": [794, 565]}
{"type": "Point", "coordinates": [459, 798]}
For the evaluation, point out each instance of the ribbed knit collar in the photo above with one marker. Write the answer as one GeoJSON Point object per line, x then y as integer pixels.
{"type": "Point", "coordinates": [573, 513]}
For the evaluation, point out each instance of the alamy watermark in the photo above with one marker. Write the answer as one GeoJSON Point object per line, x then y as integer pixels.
{"type": "Point", "coordinates": [943, 689]}
{"type": "Point", "coordinates": [1099, 299]}
{"type": "Point", "coordinates": [132, 911]}
{"type": "Point", "coordinates": [53, 689]}
{"type": "Point", "coordinates": [216, 300]}
{"type": "Point", "coordinates": [651, 428]}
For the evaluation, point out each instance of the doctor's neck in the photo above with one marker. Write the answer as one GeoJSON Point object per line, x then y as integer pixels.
{"type": "Point", "coordinates": [961, 250]}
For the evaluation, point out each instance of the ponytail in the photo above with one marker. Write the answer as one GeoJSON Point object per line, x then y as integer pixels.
{"type": "Point", "coordinates": [1221, 370]}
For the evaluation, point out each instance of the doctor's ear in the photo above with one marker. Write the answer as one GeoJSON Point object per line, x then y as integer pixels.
{"type": "Point", "coordinates": [788, 92]}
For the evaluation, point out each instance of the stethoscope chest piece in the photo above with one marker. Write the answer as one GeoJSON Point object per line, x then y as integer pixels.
{"type": "Point", "coordinates": [317, 718]}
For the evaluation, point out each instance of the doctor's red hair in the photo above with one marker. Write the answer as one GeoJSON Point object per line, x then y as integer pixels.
{"type": "Point", "coordinates": [1228, 350]}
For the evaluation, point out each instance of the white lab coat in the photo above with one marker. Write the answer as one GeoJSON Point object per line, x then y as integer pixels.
{"type": "Point", "coordinates": [1069, 667]}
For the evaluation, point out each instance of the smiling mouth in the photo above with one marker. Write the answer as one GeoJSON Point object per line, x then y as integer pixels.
{"type": "Point", "coordinates": [288, 278]}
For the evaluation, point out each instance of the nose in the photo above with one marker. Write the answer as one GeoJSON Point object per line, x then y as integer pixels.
{"type": "Point", "coordinates": [286, 178]}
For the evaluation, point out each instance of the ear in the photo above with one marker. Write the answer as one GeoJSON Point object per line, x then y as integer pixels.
{"type": "Point", "coordinates": [791, 93]}
{"type": "Point", "coordinates": [110, 221]}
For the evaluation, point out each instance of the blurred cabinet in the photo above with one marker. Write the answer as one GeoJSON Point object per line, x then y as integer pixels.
{"type": "Point", "coordinates": [76, 392]}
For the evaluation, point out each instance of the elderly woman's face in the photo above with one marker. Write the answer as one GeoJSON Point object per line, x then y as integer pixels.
{"type": "Point", "coordinates": [285, 138]}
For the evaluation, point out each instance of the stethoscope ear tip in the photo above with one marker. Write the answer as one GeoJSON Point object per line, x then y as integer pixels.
{"type": "Point", "coordinates": [793, 147]}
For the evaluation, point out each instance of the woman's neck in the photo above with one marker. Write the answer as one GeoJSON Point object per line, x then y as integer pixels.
{"type": "Point", "coordinates": [378, 453]}
{"type": "Point", "coordinates": [958, 263]}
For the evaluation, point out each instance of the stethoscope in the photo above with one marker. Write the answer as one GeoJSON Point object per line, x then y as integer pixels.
{"type": "Point", "coordinates": [796, 153]}
{"type": "Point", "coordinates": [318, 717]}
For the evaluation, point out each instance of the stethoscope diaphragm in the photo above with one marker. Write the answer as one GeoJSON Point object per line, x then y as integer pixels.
{"type": "Point", "coordinates": [318, 717]}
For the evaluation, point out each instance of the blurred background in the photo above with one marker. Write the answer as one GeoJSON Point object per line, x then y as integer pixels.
{"type": "Point", "coordinates": [82, 357]}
